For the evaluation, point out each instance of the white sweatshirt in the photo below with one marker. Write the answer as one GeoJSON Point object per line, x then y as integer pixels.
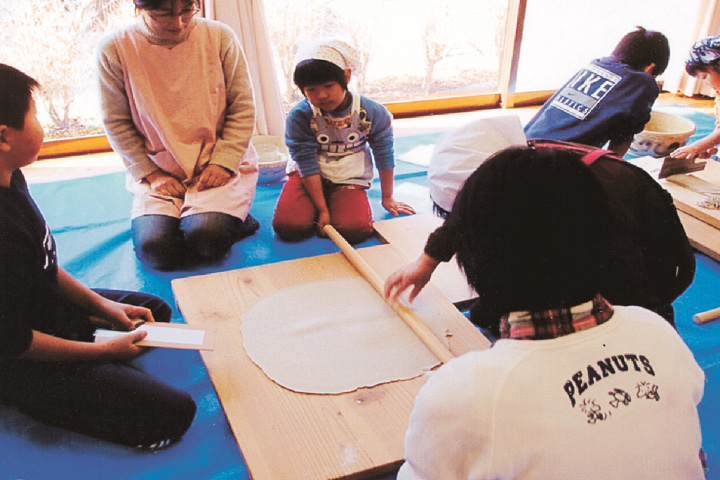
{"type": "Point", "coordinates": [616, 401]}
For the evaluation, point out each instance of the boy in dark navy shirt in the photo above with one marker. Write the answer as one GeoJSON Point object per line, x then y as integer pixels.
{"type": "Point", "coordinates": [610, 99]}
{"type": "Point", "coordinates": [50, 368]}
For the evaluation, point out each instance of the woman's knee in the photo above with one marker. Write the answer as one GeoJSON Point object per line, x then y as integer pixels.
{"type": "Point", "coordinates": [210, 235]}
{"type": "Point", "coordinates": [157, 241]}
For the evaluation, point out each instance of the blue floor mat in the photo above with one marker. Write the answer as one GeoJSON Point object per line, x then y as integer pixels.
{"type": "Point", "coordinates": [89, 218]}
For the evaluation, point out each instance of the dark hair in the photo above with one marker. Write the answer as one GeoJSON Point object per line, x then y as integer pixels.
{"type": "Point", "coordinates": [704, 56]}
{"type": "Point", "coordinates": [16, 89]}
{"type": "Point", "coordinates": [155, 4]}
{"type": "Point", "coordinates": [531, 230]}
{"type": "Point", "coordinates": [315, 72]}
{"type": "Point", "coordinates": [694, 69]}
{"type": "Point", "coordinates": [642, 47]}
{"type": "Point", "coordinates": [439, 211]}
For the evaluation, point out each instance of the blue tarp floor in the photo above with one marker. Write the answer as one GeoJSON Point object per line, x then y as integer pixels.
{"type": "Point", "coordinates": [90, 220]}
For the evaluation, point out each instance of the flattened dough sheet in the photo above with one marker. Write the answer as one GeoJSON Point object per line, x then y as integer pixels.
{"type": "Point", "coordinates": [335, 336]}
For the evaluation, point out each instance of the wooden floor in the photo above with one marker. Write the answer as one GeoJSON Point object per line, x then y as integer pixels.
{"type": "Point", "coordinates": [705, 104]}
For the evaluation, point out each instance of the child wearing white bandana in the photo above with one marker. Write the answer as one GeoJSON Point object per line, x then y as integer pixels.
{"type": "Point", "coordinates": [703, 63]}
{"type": "Point", "coordinates": [334, 137]}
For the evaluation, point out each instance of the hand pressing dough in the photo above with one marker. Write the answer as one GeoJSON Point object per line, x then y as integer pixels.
{"type": "Point", "coordinates": [335, 336]}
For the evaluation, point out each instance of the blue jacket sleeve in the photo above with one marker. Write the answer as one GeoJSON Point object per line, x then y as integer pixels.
{"type": "Point", "coordinates": [380, 137]}
{"type": "Point", "coordinates": [300, 139]}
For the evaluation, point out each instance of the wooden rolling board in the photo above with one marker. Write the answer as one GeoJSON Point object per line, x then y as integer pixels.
{"type": "Point", "coordinates": [702, 225]}
{"type": "Point", "coordinates": [409, 234]}
{"type": "Point", "coordinates": [283, 434]}
{"type": "Point", "coordinates": [687, 199]}
{"type": "Point", "coordinates": [703, 237]}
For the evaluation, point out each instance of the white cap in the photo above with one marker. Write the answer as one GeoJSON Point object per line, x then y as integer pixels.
{"type": "Point", "coordinates": [331, 50]}
{"type": "Point", "coordinates": [460, 152]}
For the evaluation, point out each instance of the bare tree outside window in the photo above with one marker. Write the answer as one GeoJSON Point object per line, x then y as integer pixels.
{"type": "Point", "coordinates": [411, 49]}
{"type": "Point", "coordinates": [406, 53]}
{"type": "Point", "coordinates": [54, 41]}
{"type": "Point", "coordinates": [437, 39]}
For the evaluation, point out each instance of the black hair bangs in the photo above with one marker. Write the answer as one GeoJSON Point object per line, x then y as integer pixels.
{"type": "Point", "coordinates": [315, 72]}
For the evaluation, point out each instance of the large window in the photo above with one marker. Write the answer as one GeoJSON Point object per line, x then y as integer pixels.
{"type": "Point", "coordinates": [411, 49]}
{"type": "Point", "coordinates": [54, 41]}
{"type": "Point", "coordinates": [561, 36]}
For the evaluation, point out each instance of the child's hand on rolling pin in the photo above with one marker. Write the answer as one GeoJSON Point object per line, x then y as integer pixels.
{"type": "Point", "coordinates": [416, 274]}
{"type": "Point", "coordinates": [323, 219]}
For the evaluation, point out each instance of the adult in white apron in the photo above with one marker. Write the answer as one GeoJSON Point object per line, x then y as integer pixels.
{"type": "Point", "coordinates": [178, 108]}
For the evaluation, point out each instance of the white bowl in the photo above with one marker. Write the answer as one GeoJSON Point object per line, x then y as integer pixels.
{"type": "Point", "coordinates": [272, 172]}
{"type": "Point", "coordinates": [662, 134]}
{"type": "Point", "coordinates": [272, 157]}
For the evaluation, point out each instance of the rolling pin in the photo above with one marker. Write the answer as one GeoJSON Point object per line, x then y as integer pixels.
{"type": "Point", "coordinates": [434, 344]}
{"type": "Point", "coordinates": [708, 316]}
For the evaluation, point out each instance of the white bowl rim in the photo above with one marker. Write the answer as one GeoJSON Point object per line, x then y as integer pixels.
{"type": "Point", "coordinates": [691, 126]}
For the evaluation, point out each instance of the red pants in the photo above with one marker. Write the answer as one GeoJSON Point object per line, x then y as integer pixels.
{"type": "Point", "coordinates": [295, 213]}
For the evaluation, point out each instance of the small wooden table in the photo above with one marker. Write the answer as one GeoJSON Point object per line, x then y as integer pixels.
{"type": "Point", "coordinates": [288, 435]}
{"type": "Point", "coordinates": [409, 234]}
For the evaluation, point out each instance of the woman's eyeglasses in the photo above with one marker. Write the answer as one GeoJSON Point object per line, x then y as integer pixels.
{"type": "Point", "coordinates": [185, 15]}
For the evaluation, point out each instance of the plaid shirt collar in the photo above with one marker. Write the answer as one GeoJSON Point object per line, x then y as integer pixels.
{"type": "Point", "coordinates": [549, 324]}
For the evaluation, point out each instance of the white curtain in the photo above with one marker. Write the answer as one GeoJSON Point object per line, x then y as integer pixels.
{"type": "Point", "coordinates": [247, 18]}
{"type": "Point", "coordinates": [708, 24]}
